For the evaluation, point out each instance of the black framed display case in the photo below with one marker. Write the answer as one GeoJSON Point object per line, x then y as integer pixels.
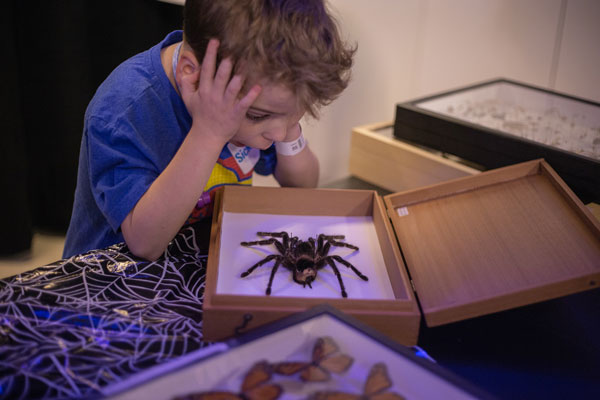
{"type": "Point", "coordinates": [502, 122]}
{"type": "Point", "coordinates": [224, 369]}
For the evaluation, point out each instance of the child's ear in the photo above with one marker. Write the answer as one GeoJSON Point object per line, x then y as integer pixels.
{"type": "Point", "coordinates": [188, 67]}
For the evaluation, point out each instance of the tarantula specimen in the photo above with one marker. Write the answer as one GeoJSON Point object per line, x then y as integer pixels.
{"type": "Point", "coordinates": [303, 258]}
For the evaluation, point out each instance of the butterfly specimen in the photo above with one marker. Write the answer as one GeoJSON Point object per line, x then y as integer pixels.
{"type": "Point", "coordinates": [303, 258]}
{"type": "Point", "coordinates": [325, 360]}
{"type": "Point", "coordinates": [254, 387]}
{"type": "Point", "coordinates": [376, 386]}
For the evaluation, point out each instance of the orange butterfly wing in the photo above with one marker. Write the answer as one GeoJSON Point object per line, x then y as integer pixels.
{"type": "Point", "coordinates": [254, 387]}
{"type": "Point", "coordinates": [326, 361]}
{"type": "Point", "coordinates": [333, 396]}
{"type": "Point", "coordinates": [259, 373]}
{"type": "Point", "coordinates": [315, 374]}
{"type": "Point", "coordinates": [377, 382]}
{"type": "Point", "coordinates": [289, 367]}
{"type": "Point", "coordinates": [337, 363]}
{"type": "Point", "coordinates": [324, 346]}
{"type": "Point", "coordinates": [264, 392]}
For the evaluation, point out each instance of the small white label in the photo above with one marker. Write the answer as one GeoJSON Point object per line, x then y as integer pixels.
{"type": "Point", "coordinates": [402, 211]}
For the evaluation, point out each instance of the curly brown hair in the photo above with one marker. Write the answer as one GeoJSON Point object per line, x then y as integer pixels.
{"type": "Point", "coordinates": [291, 42]}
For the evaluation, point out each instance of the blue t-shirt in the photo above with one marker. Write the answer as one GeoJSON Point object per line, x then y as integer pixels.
{"type": "Point", "coordinates": [133, 127]}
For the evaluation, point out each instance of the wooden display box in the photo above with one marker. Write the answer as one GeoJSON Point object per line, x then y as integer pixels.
{"type": "Point", "coordinates": [473, 246]}
{"type": "Point", "coordinates": [502, 122]}
{"type": "Point", "coordinates": [377, 157]}
{"type": "Point", "coordinates": [224, 315]}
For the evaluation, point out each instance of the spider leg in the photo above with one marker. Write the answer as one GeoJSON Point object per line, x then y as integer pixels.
{"type": "Point", "coordinates": [259, 242]}
{"type": "Point", "coordinates": [320, 245]}
{"type": "Point", "coordinates": [347, 264]}
{"type": "Point", "coordinates": [273, 234]}
{"type": "Point", "coordinates": [331, 237]}
{"type": "Point", "coordinates": [280, 248]}
{"type": "Point", "coordinates": [342, 244]}
{"type": "Point", "coordinates": [277, 264]}
{"type": "Point", "coordinates": [339, 276]}
{"type": "Point", "coordinates": [261, 262]}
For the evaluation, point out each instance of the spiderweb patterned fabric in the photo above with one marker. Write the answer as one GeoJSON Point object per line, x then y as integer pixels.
{"type": "Point", "coordinates": [69, 328]}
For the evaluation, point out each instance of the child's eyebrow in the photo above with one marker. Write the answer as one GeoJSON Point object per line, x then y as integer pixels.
{"type": "Point", "coordinates": [264, 111]}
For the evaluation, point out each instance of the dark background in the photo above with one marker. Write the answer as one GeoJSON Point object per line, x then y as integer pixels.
{"type": "Point", "coordinates": [56, 53]}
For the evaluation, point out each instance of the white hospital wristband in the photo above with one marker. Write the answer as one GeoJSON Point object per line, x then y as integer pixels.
{"type": "Point", "coordinates": [291, 148]}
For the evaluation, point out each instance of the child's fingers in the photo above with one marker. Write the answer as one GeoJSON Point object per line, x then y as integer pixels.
{"type": "Point", "coordinates": [246, 101]}
{"type": "Point", "coordinates": [209, 64]}
{"type": "Point", "coordinates": [223, 74]}
{"type": "Point", "coordinates": [233, 88]}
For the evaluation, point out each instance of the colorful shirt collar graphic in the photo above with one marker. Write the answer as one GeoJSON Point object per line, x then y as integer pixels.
{"type": "Point", "coordinates": [234, 167]}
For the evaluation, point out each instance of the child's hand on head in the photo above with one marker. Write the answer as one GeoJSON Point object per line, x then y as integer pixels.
{"type": "Point", "coordinates": [213, 99]}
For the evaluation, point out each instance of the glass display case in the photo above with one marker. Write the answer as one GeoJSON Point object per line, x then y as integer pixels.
{"type": "Point", "coordinates": [502, 122]}
{"type": "Point", "coordinates": [321, 353]}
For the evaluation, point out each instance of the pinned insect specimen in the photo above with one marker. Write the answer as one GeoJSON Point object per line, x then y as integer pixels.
{"type": "Point", "coordinates": [376, 388]}
{"type": "Point", "coordinates": [303, 258]}
{"type": "Point", "coordinates": [254, 387]}
{"type": "Point", "coordinates": [325, 360]}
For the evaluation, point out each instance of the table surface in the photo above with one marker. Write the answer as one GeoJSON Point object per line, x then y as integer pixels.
{"type": "Point", "coordinates": [547, 350]}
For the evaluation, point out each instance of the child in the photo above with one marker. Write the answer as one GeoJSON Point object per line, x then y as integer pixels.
{"type": "Point", "coordinates": [204, 108]}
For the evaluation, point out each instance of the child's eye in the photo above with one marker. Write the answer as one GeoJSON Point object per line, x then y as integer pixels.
{"type": "Point", "coordinates": [256, 117]}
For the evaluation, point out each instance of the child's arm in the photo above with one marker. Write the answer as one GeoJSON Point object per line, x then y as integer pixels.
{"type": "Point", "coordinates": [216, 111]}
{"type": "Point", "coordinates": [300, 170]}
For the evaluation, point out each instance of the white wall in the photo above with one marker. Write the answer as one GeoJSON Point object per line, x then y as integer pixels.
{"type": "Point", "coordinates": [578, 69]}
{"type": "Point", "coordinates": [411, 48]}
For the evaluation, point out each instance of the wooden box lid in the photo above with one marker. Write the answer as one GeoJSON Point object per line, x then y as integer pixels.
{"type": "Point", "coordinates": [494, 241]}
